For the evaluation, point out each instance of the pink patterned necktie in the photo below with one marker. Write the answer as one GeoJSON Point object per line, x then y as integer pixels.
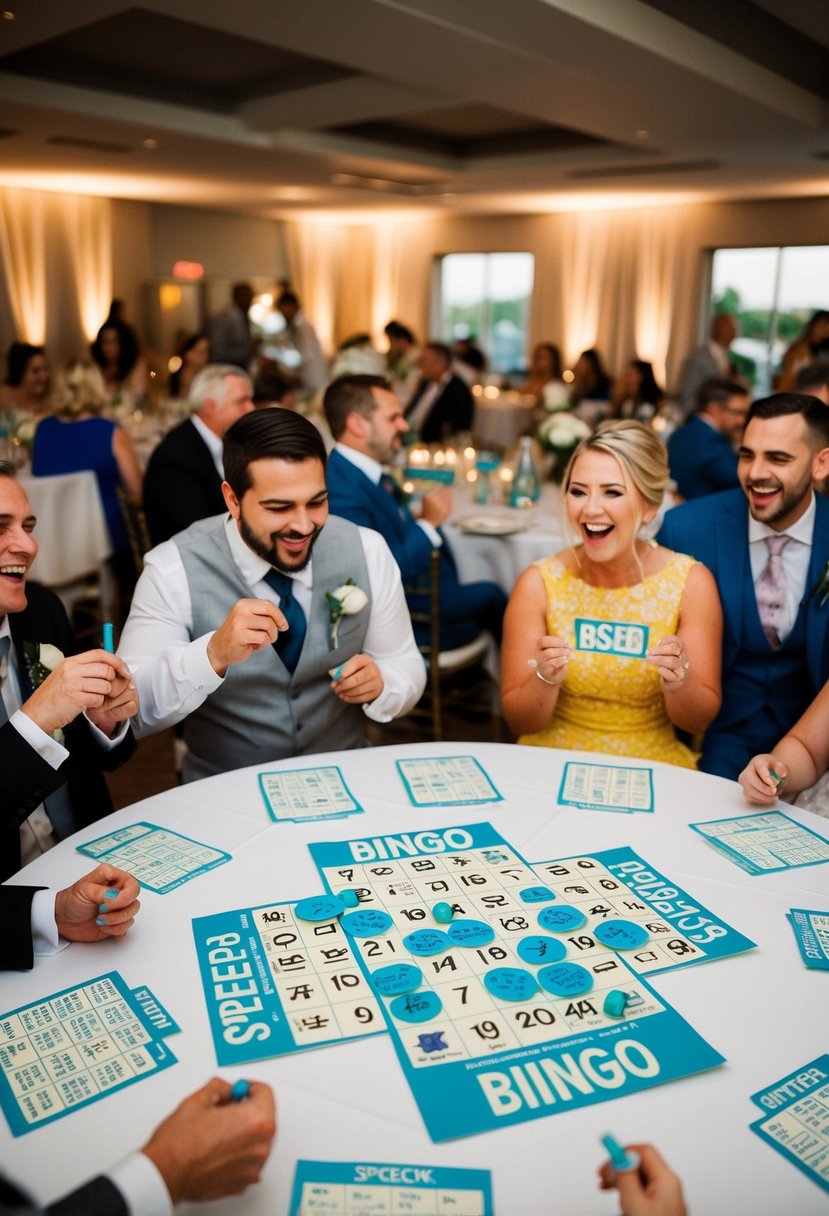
{"type": "Point", "coordinates": [770, 590]}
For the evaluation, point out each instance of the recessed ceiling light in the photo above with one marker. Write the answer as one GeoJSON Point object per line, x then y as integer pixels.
{"type": "Point", "coordinates": [8, 15]}
{"type": "Point", "coordinates": [150, 144]}
{"type": "Point", "coordinates": [643, 135]}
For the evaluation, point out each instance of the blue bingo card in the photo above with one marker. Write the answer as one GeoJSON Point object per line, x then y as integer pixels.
{"type": "Point", "coordinates": [161, 860]}
{"type": "Point", "coordinates": [625, 640]}
{"type": "Point", "coordinates": [796, 1118]}
{"type": "Point", "coordinates": [606, 787]}
{"type": "Point", "coordinates": [76, 1046]}
{"type": "Point", "coordinates": [761, 844]}
{"type": "Point", "coordinates": [308, 793]}
{"type": "Point", "coordinates": [500, 1013]}
{"type": "Point", "coordinates": [811, 929]}
{"type": "Point", "coordinates": [351, 1188]}
{"type": "Point", "coordinates": [447, 781]}
{"type": "Point", "coordinates": [275, 983]}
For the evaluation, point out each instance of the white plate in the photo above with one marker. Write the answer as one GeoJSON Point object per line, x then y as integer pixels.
{"type": "Point", "coordinates": [490, 525]}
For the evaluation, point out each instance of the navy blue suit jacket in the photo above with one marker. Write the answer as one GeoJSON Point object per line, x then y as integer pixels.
{"type": "Point", "coordinates": [453, 410]}
{"type": "Point", "coordinates": [182, 483]}
{"type": "Point", "coordinates": [715, 531]}
{"type": "Point", "coordinates": [702, 460]}
{"type": "Point", "coordinates": [355, 497]}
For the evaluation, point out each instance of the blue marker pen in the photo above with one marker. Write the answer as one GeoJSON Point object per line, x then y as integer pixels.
{"type": "Point", "coordinates": [239, 1091]}
{"type": "Point", "coordinates": [109, 637]}
{"type": "Point", "coordinates": [337, 672]}
{"type": "Point", "coordinates": [619, 1158]}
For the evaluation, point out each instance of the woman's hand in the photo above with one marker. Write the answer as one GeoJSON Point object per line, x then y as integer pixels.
{"type": "Point", "coordinates": [762, 779]}
{"type": "Point", "coordinates": [670, 658]}
{"type": "Point", "coordinates": [550, 659]}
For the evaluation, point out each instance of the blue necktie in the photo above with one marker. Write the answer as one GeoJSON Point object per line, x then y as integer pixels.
{"type": "Point", "coordinates": [288, 645]}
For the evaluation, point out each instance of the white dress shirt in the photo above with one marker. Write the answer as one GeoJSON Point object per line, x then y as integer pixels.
{"type": "Point", "coordinates": [796, 557]}
{"type": "Point", "coordinates": [172, 672]}
{"type": "Point", "coordinates": [213, 443]}
{"type": "Point", "coordinates": [374, 471]}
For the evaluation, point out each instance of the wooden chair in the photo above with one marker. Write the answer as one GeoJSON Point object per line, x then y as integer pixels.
{"type": "Point", "coordinates": [136, 524]}
{"type": "Point", "coordinates": [441, 665]}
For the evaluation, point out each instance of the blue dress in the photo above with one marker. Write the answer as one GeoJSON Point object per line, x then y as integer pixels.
{"type": "Point", "coordinates": [75, 447]}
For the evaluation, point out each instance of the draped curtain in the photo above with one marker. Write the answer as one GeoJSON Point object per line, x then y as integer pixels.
{"type": "Point", "coordinates": [88, 224]}
{"type": "Point", "coordinates": [316, 254]}
{"type": "Point", "coordinates": [23, 246]}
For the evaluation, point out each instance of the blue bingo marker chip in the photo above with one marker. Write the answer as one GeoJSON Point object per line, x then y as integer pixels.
{"type": "Point", "coordinates": [367, 922]}
{"type": "Point", "coordinates": [510, 983]}
{"type": "Point", "coordinates": [561, 918]}
{"type": "Point", "coordinates": [620, 1158]}
{"type": "Point", "coordinates": [565, 979]}
{"type": "Point", "coordinates": [397, 978]}
{"type": "Point", "coordinates": [536, 895]}
{"type": "Point", "coordinates": [108, 637]}
{"type": "Point", "coordinates": [443, 913]}
{"type": "Point", "coordinates": [427, 941]}
{"type": "Point", "coordinates": [319, 907]}
{"type": "Point", "coordinates": [416, 1007]}
{"type": "Point", "coordinates": [239, 1090]}
{"type": "Point", "coordinates": [470, 932]}
{"type": "Point", "coordinates": [621, 934]}
{"type": "Point", "coordinates": [349, 897]}
{"type": "Point", "coordinates": [540, 950]}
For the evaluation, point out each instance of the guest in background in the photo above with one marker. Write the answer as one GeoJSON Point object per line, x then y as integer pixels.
{"type": "Point", "coordinates": [797, 762]}
{"type": "Point", "coordinates": [183, 482]}
{"type": "Point", "coordinates": [766, 544]}
{"type": "Point", "coordinates": [814, 380]}
{"type": "Point", "coordinates": [313, 366]}
{"type": "Point", "coordinates": [269, 389]}
{"type": "Point", "coordinates": [441, 405]}
{"type": "Point", "coordinates": [588, 698]}
{"type": "Point", "coordinates": [401, 360]}
{"type": "Point", "coordinates": [229, 331]}
{"type": "Point", "coordinates": [28, 384]}
{"type": "Point", "coordinates": [591, 381]}
{"type": "Point", "coordinates": [702, 454]}
{"type": "Point", "coordinates": [193, 354]}
{"type": "Point", "coordinates": [636, 394]}
{"type": "Point", "coordinates": [545, 368]}
{"type": "Point", "coordinates": [709, 361]}
{"type": "Point", "coordinates": [469, 360]}
{"type": "Point", "coordinates": [115, 350]}
{"type": "Point", "coordinates": [811, 344]}
{"type": "Point", "coordinates": [76, 438]}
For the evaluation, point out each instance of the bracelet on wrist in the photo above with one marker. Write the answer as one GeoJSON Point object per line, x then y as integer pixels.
{"type": "Point", "coordinates": [544, 680]}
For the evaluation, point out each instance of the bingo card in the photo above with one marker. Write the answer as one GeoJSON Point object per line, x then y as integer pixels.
{"type": "Point", "coordinates": [796, 1118]}
{"type": "Point", "coordinates": [447, 781]}
{"type": "Point", "coordinates": [340, 1188]}
{"type": "Point", "coordinates": [761, 844]}
{"type": "Point", "coordinates": [308, 793]}
{"type": "Point", "coordinates": [606, 787]}
{"type": "Point", "coordinates": [161, 860]}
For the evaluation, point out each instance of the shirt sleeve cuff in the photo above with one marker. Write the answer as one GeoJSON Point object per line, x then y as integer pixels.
{"type": "Point", "coordinates": [142, 1186]}
{"type": "Point", "coordinates": [433, 534]}
{"type": "Point", "coordinates": [108, 743]}
{"type": "Point", "coordinates": [45, 939]}
{"type": "Point", "coordinates": [47, 748]}
{"type": "Point", "coordinates": [197, 668]}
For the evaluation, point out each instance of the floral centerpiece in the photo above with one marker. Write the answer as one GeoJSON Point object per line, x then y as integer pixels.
{"type": "Point", "coordinates": [560, 434]}
{"type": "Point", "coordinates": [25, 434]}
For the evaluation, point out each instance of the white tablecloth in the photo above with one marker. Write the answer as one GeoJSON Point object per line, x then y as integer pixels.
{"type": "Point", "coordinates": [71, 527]}
{"type": "Point", "coordinates": [501, 421]}
{"type": "Point", "coordinates": [763, 1010]}
{"type": "Point", "coordinates": [541, 530]}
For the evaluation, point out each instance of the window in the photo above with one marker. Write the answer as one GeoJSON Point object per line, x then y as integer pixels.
{"type": "Point", "coordinates": [486, 297]}
{"type": "Point", "coordinates": [773, 292]}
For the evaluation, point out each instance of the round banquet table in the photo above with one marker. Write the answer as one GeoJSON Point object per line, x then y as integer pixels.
{"type": "Point", "coordinates": [71, 527]}
{"type": "Point", "coordinates": [763, 1010]}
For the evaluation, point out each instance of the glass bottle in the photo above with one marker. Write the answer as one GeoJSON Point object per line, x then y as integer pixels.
{"type": "Point", "coordinates": [526, 484]}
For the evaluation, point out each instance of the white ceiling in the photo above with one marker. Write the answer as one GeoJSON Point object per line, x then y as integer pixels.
{"type": "Point", "coordinates": [454, 105]}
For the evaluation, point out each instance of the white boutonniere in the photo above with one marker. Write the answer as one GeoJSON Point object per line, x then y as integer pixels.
{"type": "Point", "coordinates": [821, 587]}
{"type": "Point", "coordinates": [41, 660]}
{"type": "Point", "coordinates": [347, 600]}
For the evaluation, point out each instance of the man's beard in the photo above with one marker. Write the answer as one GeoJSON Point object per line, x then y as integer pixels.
{"type": "Point", "coordinates": [269, 552]}
{"type": "Point", "coordinates": [790, 499]}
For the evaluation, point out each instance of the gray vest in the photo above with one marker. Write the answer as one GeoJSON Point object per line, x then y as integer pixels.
{"type": "Point", "coordinates": [262, 713]}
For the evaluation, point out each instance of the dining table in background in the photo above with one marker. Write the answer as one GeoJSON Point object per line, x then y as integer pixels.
{"type": "Point", "coordinates": [502, 416]}
{"type": "Point", "coordinates": [72, 531]}
{"type": "Point", "coordinates": [762, 1010]}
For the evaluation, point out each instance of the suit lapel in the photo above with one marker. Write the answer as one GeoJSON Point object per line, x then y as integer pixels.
{"type": "Point", "coordinates": [732, 560]}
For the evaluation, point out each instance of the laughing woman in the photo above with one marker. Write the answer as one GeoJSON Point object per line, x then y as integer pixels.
{"type": "Point", "coordinates": [566, 683]}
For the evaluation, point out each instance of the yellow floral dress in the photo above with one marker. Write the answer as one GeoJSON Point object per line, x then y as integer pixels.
{"type": "Point", "coordinates": [609, 703]}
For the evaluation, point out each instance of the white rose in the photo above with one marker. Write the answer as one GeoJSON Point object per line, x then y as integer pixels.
{"type": "Point", "coordinates": [49, 656]}
{"type": "Point", "coordinates": [555, 396]}
{"type": "Point", "coordinates": [26, 430]}
{"type": "Point", "coordinates": [351, 599]}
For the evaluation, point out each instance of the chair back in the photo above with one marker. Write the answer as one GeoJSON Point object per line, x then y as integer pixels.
{"type": "Point", "coordinates": [136, 524]}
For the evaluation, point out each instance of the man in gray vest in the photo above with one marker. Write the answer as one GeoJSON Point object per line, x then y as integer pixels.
{"type": "Point", "coordinates": [274, 630]}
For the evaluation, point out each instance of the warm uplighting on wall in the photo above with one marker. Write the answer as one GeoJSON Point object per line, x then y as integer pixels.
{"type": "Point", "coordinates": [169, 296]}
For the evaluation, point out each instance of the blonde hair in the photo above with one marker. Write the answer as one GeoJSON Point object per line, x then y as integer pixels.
{"type": "Point", "coordinates": [79, 388]}
{"type": "Point", "coordinates": [640, 453]}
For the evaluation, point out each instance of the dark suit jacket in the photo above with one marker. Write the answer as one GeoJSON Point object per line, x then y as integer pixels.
{"type": "Point", "coordinates": [100, 1197]}
{"type": "Point", "coordinates": [181, 484]}
{"type": "Point", "coordinates": [355, 497]}
{"type": "Point", "coordinates": [27, 778]}
{"type": "Point", "coordinates": [715, 531]}
{"type": "Point", "coordinates": [452, 411]}
{"type": "Point", "coordinates": [702, 460]}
